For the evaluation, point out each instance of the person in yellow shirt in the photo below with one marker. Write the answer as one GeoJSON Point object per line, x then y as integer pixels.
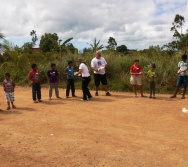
{"type": "Point", "coordinates": [151, 75]}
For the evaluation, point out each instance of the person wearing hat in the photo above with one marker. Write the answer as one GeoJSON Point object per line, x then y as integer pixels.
{"type": "Point", "coordinates": [182, 76]}
{"type": "Point", "coordinates": [135, 80]}
{"type": "Point", "coordinates": [151, 75]}
{"type": "Point", "coordinates": [84, 71]}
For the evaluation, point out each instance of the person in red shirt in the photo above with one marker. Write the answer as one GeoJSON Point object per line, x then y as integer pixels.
{"type": "Point", "coordinates": [136, 72]}
{"type": "Point", "coordinates": [34, 77]}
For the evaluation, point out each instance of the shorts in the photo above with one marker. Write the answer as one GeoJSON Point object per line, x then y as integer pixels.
{"type": "Point", "coordinates": [9, 96]}
{"type": "Point", "coordinates": [135, 80]}
{"type": "Point", "coordinates": [182, 80]}
{"type": "Point", "coordinates": [100, 78]}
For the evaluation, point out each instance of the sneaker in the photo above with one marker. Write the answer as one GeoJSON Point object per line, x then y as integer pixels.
{"type": "Point", "coordinates": [96, 94]}
{"type": "Point", "coordinates": [90, 98]}
{"type": "Point", "coordinates": [8, 108]}
{"type": "Point", "coordinates": [74, 96]}
{"type": "Point", "coordinates": [108, 94]}
{"type": "Point", "coordinates": [39, 100]}
{"type": "Point", "coordinates": [83, 100]}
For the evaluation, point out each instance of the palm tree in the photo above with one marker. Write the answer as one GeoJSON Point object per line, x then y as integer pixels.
{"type": "Point", "coordinates": [1, 46]}
{"type": "Point", "coordinates": [95, 46]}
{"type": "Point", "coordinates": [63, 46]}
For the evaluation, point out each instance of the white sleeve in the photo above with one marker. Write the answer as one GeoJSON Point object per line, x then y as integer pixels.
{"type": "Point", "coordinates": [104, 61]}
{"type": "Point", "coordinates": [81, 66]}
{"type": "Point", "coordinates": [92, 63]}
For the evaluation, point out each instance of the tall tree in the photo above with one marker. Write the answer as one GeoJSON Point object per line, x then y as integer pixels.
{"type": "Point", "coordinates": [34, 37]}
{"type": "Point", "coordinates": [49, 42]}
{"type": "Point", "coordinates": [111, 43]}
{"type": "Point", "coordinates": [181, 42]}
{"type": "Point", "coordinates": [1, 45]}
{"type": "Point", "coordinates": [95, 46]}
{"type": "Point", "coordinates": [65, 46]}
{"type": "Point", "coordinates": [178, 23]}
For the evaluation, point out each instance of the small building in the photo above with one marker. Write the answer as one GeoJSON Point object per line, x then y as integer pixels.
{"type": "Point", "coordinates": [36, 49]}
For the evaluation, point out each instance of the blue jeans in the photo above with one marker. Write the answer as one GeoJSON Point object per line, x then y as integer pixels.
{"type": "Point", "coordinates": [182, 80]}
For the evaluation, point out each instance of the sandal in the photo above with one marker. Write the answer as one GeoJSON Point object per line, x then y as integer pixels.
{"type": "Point", "coordinates": [35, 101]}
{"type": "Point", "coordinates": [13, 106]}
{"type": "Point", "coordinates": [8, 108]}
{"type": "Point", "coordinates": [39, 100]}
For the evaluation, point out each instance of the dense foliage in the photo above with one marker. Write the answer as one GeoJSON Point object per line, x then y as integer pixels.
{"type": "Point", "coordinates": [18, 65]}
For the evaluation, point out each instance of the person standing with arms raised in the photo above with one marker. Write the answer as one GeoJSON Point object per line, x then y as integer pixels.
{"type": "Point", "coordinates": [99, 64]}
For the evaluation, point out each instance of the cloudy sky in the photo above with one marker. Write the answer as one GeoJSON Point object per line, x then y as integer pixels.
{"type": "Point", "coordinates": [137, 24]}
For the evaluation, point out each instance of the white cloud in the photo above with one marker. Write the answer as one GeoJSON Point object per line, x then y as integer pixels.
{"type": "Point", "coordinates": [137, 24]}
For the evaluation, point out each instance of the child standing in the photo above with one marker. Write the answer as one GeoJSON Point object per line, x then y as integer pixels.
{"type": "Point", "coordinates": [151, 75]}
{"type": "Point", "coordinates": [34, 77]}
{"type": "Point", "coordinates": [70, 79]}
{"type": "Point", "coordinates": [182, 76]}
{"type": "Point", "coordinates": [53, 80]}
{"type": "Point", "coordinates": [9, 86]}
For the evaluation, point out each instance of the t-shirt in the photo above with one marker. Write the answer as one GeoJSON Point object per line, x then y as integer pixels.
{"type": "Point", "coordinates": [34, 76]}
{"type": "Point", "coordinates": [53, 76]}
{"type": "Point", "coordinates": [8, 85]}
{"type": "Point", "coordinates": [152, 76]}
{"type": "Point", "coordinates": [135, 69]}
{"type": "Point", "coordinates": [70, 71]}
{"type": "Point", "coordinates": [99, 64]}
{"type": "Point", "coordinates": [183, 66]}
{"type": "Point", "coordinates": [85, 71]}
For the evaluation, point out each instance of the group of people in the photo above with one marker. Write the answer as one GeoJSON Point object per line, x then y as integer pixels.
{"type": "Point", "coordinates": [98, 65]}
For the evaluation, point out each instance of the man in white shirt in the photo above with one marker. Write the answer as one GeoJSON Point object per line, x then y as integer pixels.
{"type": "Point", "coordinates": [98, 64]}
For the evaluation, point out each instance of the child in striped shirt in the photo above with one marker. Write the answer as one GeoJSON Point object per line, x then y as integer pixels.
{"type": "Point", "coordinates": [9, 86]}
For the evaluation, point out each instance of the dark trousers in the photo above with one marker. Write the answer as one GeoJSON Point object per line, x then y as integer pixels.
{"type": "Point", "coordinates": [152, 88]}
{"type": "Point", "coordinates": [70, 85]}
{"type": "Point", "coordinates": [85, 90]}
{"type": "Point", "coordinates": [36, 91]}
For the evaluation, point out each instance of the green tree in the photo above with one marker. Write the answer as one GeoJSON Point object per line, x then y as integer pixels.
{"type": "Point", "coordinates": [65, 47]}
{"type": "Point", "coordinates": [181, 41]}
{"type": "Point", "coordinates": [49, 42]}
{"type": "Point", "coordinates": [34, 37]}
{"type": "Point", "coordinates": [95, 46]}
{"type": "Point", "coordinates": [178, 23]}
{"type": "Point", "coordinates": [1, 45]}
{"type": "Point", "coordinates": [122, 49]}
{"type": "Point", "coordinates": [111, 44]}
{"type": "Point", "coordinates": [87, 50]}
{"type": "Point", "coordinates": [27, 47]}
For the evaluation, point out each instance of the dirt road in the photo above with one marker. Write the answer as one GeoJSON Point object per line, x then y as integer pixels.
{"type": "Point", "coordinates": [115, 131]}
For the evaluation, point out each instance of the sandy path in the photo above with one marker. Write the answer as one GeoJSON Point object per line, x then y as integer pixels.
{"type": "Point", "coordinates": [120, 131]}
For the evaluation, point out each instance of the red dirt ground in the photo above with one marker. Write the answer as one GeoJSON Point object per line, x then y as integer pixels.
{"type": "Point", "coordinates": [115, 131]}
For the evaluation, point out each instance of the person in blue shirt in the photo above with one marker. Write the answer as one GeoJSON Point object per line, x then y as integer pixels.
{"type": "Point", "coordinates": [70, 79]}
